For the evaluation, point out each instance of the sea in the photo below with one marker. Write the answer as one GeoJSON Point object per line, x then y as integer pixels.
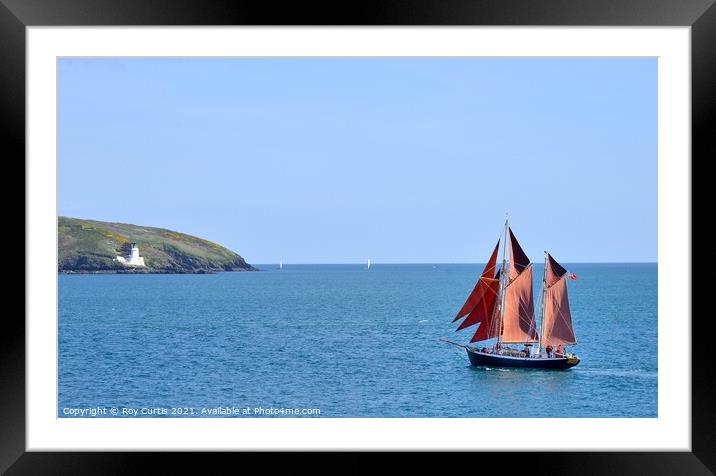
{"type": "Point", "coordinates": [339, 341]}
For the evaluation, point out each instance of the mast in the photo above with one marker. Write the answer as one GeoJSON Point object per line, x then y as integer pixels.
{"type": "Point", "coordinates": [542, 303]}
{"type": "Point", "coordinates": [503, 276]}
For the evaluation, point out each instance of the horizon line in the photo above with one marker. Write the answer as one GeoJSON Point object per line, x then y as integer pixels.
{"type": "Point", "coordinates": [373, 263]}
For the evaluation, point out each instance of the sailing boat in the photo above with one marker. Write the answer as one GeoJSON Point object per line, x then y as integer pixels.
{"type": "Point", "coordinates": [502, 305]}
{"type": "Point", "coordinates": [280, 264]}
{"type": "Point", "coordinates": [368, 267]}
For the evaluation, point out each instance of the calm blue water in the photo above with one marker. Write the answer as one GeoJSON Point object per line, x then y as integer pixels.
{"type": "Point", "coordinates": [350, 342]}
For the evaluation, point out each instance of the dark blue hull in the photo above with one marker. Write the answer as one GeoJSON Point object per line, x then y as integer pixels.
{"type": "Point", "coordinates": [483, 359]}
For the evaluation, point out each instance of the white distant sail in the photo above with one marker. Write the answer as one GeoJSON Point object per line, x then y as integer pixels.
{"type": "Point", "coordinates": [280, 264]}
{"type": "Point", "coordinates": [368, 267]}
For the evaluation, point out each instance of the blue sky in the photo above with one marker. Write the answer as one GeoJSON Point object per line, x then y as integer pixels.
{"type": "Point", "coordinates": [335, 160]}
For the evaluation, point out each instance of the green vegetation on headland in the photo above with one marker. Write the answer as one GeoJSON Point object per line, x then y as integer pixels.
{"type": "Point", "coordinates": [89, 246]}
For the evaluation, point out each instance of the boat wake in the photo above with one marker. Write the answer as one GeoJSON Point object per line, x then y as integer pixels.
{"type": "Point", "coordinates": [492, 369]}
{"type": "Point", "coordinates": [639, 373]}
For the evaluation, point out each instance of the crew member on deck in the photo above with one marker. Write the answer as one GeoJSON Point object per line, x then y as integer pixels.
{"type": "Point", "coordinates": [560, 350]}
{"type": "Point", "coordinates": [549, 351]}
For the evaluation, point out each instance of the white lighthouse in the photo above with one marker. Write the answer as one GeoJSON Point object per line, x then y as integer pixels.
{"type": "Point", "coordinates": [133, 258]}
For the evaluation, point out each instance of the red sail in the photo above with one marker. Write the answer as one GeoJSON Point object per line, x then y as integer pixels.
{"type": "Point", "coordinates": [484, 309]}
{"type": "Point", "coordinates": [481, 291]}
{"type": "Point", "coordinates": [557, 316]}
{"type": "Point", "coordinates": [518, 259]}
{"type": "Point", "coordinates": [489, 325]}
{"type": "Point", "coordinates": [518, 318]}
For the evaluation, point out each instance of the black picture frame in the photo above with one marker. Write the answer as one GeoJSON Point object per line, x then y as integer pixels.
{"type": "Point", "coordinates": [16, 15]}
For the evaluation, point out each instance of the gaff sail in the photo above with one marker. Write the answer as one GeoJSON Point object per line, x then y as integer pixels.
{"type": "Point", "coordinates": [557, 326]}
{"type": "Point", "coordinates": [518, 315]}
